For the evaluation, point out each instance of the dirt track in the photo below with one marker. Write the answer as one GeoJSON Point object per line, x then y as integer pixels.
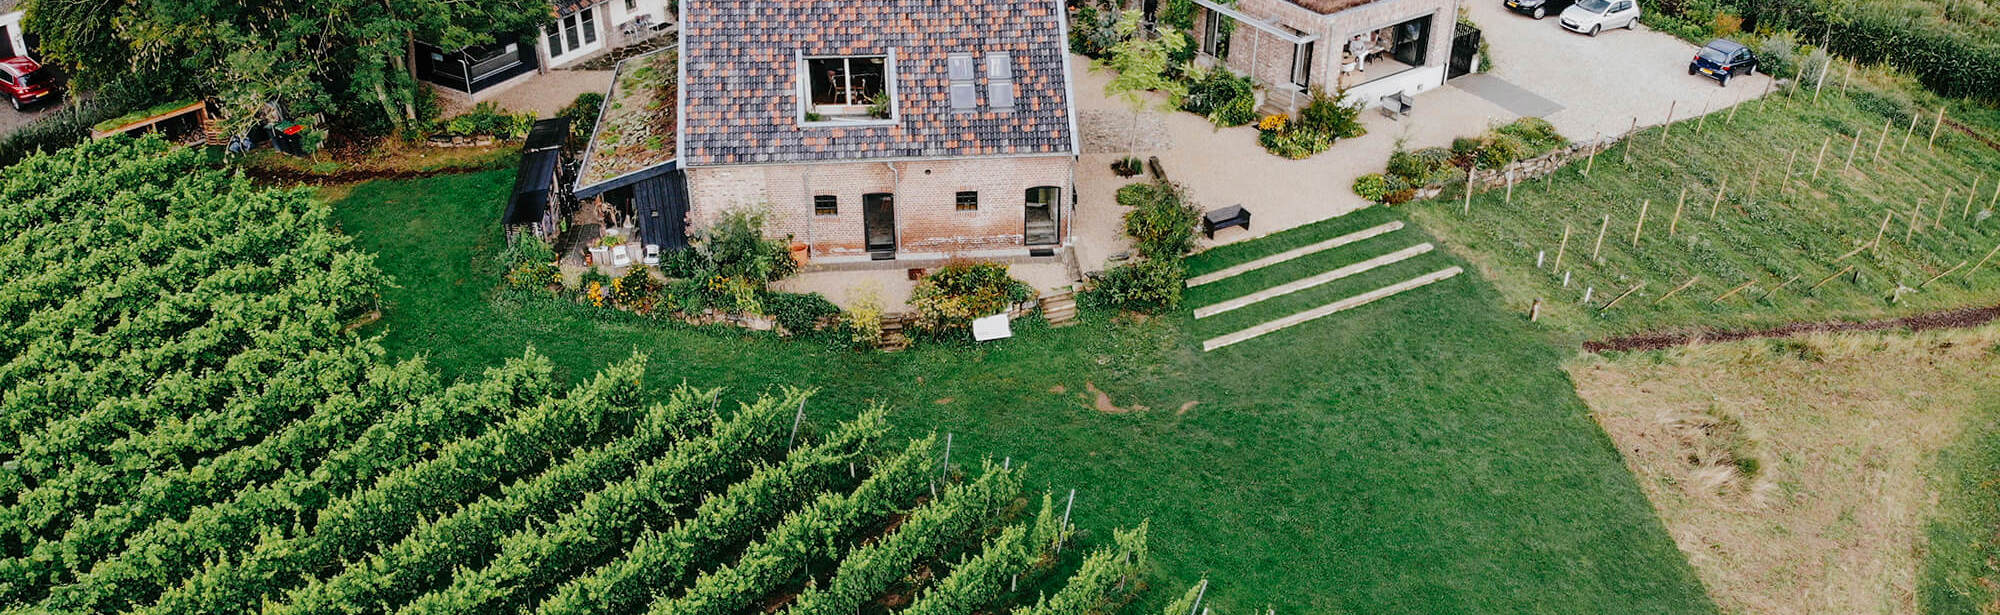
{"type": "Point", "coordinates": [1948, 319]}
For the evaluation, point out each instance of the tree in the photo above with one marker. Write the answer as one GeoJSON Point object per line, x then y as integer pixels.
{"type": "Point", "coordinates": [345, 58]}
{"type": "Point", "coordinates": [1140, 57]}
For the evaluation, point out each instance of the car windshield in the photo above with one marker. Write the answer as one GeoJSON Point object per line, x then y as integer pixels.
{"type": "Point", "coordinates": [33, 78]}
{"type": "Point", "coordinates": [1714, 55]}
{"type": "Point", "coordinates": [1594, 6]}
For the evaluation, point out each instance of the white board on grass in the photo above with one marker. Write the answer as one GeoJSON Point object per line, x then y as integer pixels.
{"type": "Point", "coordinates": [991, 328]}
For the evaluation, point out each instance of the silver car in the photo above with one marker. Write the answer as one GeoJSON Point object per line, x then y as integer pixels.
{"type": "Point", "coordinates": [1593, 16]}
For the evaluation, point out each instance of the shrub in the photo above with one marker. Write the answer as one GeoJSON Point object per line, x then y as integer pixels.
{"type": "Point", "coordinates": [1500, 149]}
{"type": "Point", "coordinates": [863, 321]}
{"type": "Point", "coordinates": [1404, 164]}
{"type": "Point", "coordinates": [1778, 55]}
{"type": "Point", "coordinates": [1273, 122]}
{"type": "Point", "coordinates": [955, 294]}
{"type": "Point", "coordinates": [582, 115]}
{"type": "Point", "coordinates": [1225, 98]}
{"type": "Point", "coordinates": [1151, 286]}
{"type": "Point", "coordinates": [1319, 123]}
{"type": "Point", "coordinates": [1163, 225]}
{"type": "Point", "coordinates": [1236, 112]}
{"type": "Point", "coordinates": [1464, 147]}
{"type": "Point", "coordinates": [1294, 144]}
{"type": "Point", "coordinates": [1400, 197]}
{"type": "Point", "coordinates": [800, 313]}
{"type": "Point", "coordinates": [637, 290]}
{"type": "Point", "coordinates": [735, 246]}
{"type": "Point", "coordinates": [487, 119]}
{"type": "Point", "coordinates": [1372, 186]}
{"type": "Point", "coordinates": [1134, 195]}
{"type": "Point", "coordinates": [1326, 115]}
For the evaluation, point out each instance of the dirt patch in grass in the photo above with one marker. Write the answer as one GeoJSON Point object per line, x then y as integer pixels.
{"type": "Point", "coordinates": [1793, 473]}
{"type": "Point", "coordinates": [1946, 319]}
{"type": "Point", "coordinates": [387, 159]}
{"type": "Point", "coordinates": [1103, 401]}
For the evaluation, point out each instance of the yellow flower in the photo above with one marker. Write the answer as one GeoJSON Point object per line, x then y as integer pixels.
{"type": "Point", "coordinates": [1275, 121]}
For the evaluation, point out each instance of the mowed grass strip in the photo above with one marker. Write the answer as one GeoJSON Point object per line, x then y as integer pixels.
{"type": "Point", "coordinates": [1786, 229]}
{"type": "Point", "coordinates": [1422, 454]}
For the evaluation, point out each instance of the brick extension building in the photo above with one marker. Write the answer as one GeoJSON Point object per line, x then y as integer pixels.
{"type": "Point", "coordinates": [909, 130]}
{"type": "Point", "coordinates": [1373, 48]}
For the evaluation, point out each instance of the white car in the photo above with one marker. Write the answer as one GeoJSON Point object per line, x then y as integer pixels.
{"type": "Point", "coordinates": [1593, 16]}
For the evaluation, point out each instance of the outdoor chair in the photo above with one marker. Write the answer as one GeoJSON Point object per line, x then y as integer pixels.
{"type": "Point", "coordinates": [1396, 105]}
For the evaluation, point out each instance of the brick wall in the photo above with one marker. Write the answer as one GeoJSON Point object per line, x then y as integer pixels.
{"type": "Point", "coordinates": [927, 217]}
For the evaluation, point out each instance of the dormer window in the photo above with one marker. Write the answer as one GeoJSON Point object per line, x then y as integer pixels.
{"type": "Point", "coordinates": [847, 88]}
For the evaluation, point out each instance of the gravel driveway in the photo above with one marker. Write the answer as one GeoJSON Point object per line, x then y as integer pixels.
{"type": "Point", "coordinates": [1601, 84]}
{"type": "Point", "coordinates": [11, 120]}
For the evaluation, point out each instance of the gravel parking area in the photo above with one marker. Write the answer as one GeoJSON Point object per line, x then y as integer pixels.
{"type": "Point", "coordinates": [1602, 84]}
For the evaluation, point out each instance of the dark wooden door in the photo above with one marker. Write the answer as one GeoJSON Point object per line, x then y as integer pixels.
{"type": "Point", "coordinates": [878, 219]}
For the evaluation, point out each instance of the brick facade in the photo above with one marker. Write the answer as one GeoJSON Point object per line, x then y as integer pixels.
{"type": "Point", "coordinates": [928, 220]}
{"type": "Point", "coordinates": [1268, 59]}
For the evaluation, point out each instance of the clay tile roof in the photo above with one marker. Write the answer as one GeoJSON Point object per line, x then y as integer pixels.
{"type": "Point", "coordinates": [740, 88]}
{"type": "Point", "coordinates": [1327, 7]}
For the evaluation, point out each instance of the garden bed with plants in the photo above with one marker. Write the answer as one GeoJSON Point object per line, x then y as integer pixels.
{"type": "Point", "coordinates": [1432, 168]}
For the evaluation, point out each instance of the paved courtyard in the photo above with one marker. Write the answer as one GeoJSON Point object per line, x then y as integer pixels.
{"type": "Point", "coordinates": [1587, 87]}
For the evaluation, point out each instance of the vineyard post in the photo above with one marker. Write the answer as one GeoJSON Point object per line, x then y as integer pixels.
{"type": "Point", "coordinates": [1621, 297]}
{"type": "Point", "coordinates": [1982, 262]}
{"type": "Point", "coordinates": [1908, 132]}
{"type": "Point", "coordinates": [796, 420]}
{"type": "Point", "coordinates": [1849, 78]}
{"type": "Point", "coordinates": [1916, 218]}
{"type": "Point", "coordinates": [1677, 289]}
{"type": "Point", "coordinates": [1469, 172]}
{"type": "Point", "coordinates": [1934, 128]}
{"type": "Point", "coordinates": [1820, 159]}
{"type": "Point", "coordinates": [1509, 200]}
{"type": "Point", "coordinates": [1790, 161]}
{"type": "Point", "coordinates": [1719, 191]}
{"type": "Point", "coordinates": [1970, 195]}
{"type": "Point", "coordinates": [1599, 246]}
{"type": "Point", "coordinates": [1953, 269]}
{"type": "Point", "coordinates": [1065, 520]}
{"type": "Point", "coordinates": [1774, 290]}
{"type": "Point", "coordinates": [1566, 278]}
{"type": "Point", "coordinates": [1731, 120]}
{"type": "Point", "coordinates": [1882, 141]}
{"type": "Point", "coordinates": [1702, 122]}
{"type": "Point", "coordinates": [1641, 225]}
{"type": "Point", "coordinates": [1674, 224]}
{"type": "Point", "coordinates": [1756, 177]}
{"type": "Point", "coordinates": [1669, 126]}
{"type": "Point", "coordinates": [1562, 247]}
{"type": "Point", "coordinates": [1732, 292]}
{"type": "Point", "coordinates": [1629, 140]}
{"type": "Point", "coordinates": [1851, 149]}
{"type": "Point", "coordinates": [944, 467]}
{"type": "Point", "coordinates": [1199, 593]}
{"type": "Point", "coordinates": [1943, 204]}
{"type": "Point", "coordinates": [1535, 310]}
{"type": "Point", "coordinates": [1875, 247]}
{"type": "Point", "coordinates": [1996, 196]}
{"type": "Point", "coordinates": [1587, 292]}
{"type": "Point", "coordinates": [1592, 161]}
{"type": "Point", "coordinates": [1823, 281]}
{"type": "Point", "coordinates": [1541, 256]}
{"type": "Point", "coordinates": [1822, 79]}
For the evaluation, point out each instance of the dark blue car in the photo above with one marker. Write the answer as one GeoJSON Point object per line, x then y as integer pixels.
{"type": "Point", "coordinates": [1721, 59]}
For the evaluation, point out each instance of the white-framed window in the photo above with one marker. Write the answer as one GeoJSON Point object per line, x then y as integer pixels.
{"type": "Point", "coordinates": [574, 34]}
{"type": "Point", "coordinates": [999, 81]}
{"type": "Point", "coordinates": [964, 90]}
{"type": "Point", "coordinates": [847, 88]}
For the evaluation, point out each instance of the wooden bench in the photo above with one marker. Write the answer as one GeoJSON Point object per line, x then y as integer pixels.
{"type": "Point", "coordinates": [1397, 105]}
{"type": "Point", "coordinates": [1234, 215]}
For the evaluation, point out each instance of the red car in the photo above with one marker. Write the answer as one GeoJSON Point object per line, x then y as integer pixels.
{"type": "Point", "coordinates": [24, 82]}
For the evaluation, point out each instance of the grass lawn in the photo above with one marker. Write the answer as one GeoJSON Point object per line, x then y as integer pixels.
{"type": "Point", "coordinates": [1800, 474]}
{"type": "Point", "coordinates": [1765, 237]}
{"type": "Point", "coordinates": [1424, 454]}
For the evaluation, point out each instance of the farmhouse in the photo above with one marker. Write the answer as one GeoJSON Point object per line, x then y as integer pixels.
{"type": "Point", "coordinates": [902, 130]}
{"type": "Point", "coordinates": [1372, 48]}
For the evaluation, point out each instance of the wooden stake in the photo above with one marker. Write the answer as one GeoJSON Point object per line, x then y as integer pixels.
{"type": "Point", "coordinates": [1844, 81]}
{"type": "Point", "coordinates": [1916, 217]}
{"type": "Point", "coordinates": [1970, 195]}
{"type": "Point", "coordinates": [1934, 128]}
{"type": "Point", "coordinates": [1823, 281]}
{"type": "Point", "coordinates": [1817, 161]}
{"type": "Point", "coordinates": [1674, 224]}
{"type": "Point", "coordinates": [1774, 290]}
{"type": "Point", "coordinates": [1982, 262]}
{"type": "Point", "coordinates": [1628, 139]}
{"type": "Point", "coordinates": [1756, 177]}
{"type": "Point", "coordinates": [1882, 141]}
{"type": "Point", "coordinates": [1851, 149]}
{"type": "Point", "coordinates": [1852, 252]}
{"type": "Point", "coordinates": [1599, 246]}
{"type": "Point", "coordinates": [1732, 292]}
{"type": "Point", "coordinates": [1669, 126]}
{"type": "Point", "coordinates": [1561, 247]}
{"type": "Point", "coordinates": [1942, 204]}
{"type": "Point", "coordinates": [1641, 226]}
{"type": "Point", "coordinates": [1469, 171]}
{"type": "Point", "coordinates": [1510, 189]}
{"type": "Point", "coordinates": [1731, 120]}
{"type": "Point", "coordinates": [1822, 79]}
{"type": "Point", "coordinates": [1677, 289]}
{"type": "Point", "coordinates": [1947, 272]}
{"type": "Point", "coordinates": [1790, 160]}
{"type": "Point", "coordinates": [1592, 161]}
{"type": "Point", "coordinates": [1719, 190]}
{"type": "Point", "coordinates": [1621, 297]}
{"type": "Point", "coordinates": [1877, 243]}
{"type": "Point", "coordinates": [1907, 132]}
{"type": "Point", "coordinates": [1535, 311]}
{"type": "Point", "coordinates": [1702, 122]}
{"type": "Point", "coordinates": [1996, 196]}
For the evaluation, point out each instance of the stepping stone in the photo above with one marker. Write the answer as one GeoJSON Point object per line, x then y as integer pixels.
{"type": "Point", "coordinates": [1331, 308]}
{"type": "Point", "coordinates": [1294, 253]}
{"type": "Point", "coordinates": [1317, 280]}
